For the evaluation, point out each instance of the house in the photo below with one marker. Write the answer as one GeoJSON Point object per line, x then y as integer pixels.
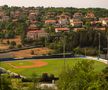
{"type": "Point", "coordinates": [12, 14]}
{"type": "Point", "coordinates": [32, 16]}
{"type": "Point", "coordinates": [36, 34]}
{"type": "Point", "coordinates": [53, 22]}
{"type": "Point", "coordinates": [14, 20]}
{"type": "Point", "coordinates": [101, 28]}
{"type": "Point", "coordinates": [78, 29]}
{"type": "Point", "coordinates": [5, 18]}
{"type": "Point", "coordinates": [78, 15]}
{"type": "Point", "coordinates": [96, 23]}
{"type": "Point", "coordinates": [62, 29]}
{"type": "Point", "coordinates": [90, 16]}
{"type": "Point", "coordinates": [104, 21]}
{"type": "Point", "coordinates": [50, 15]}
{"type": "Point", "coordinates": [2, 13]}
{"type": "Point", "coordinates": [76, 23]}
{"type": "Point", "coordinates": [32, 27]}
{"type": "Point", "coordinates": [17, 14]}
{"type": "Point", "coordinates": [33, 21]}
{"type": "Point", "coordinates": [63, 19]}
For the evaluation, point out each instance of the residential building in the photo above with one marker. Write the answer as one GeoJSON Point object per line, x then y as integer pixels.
{"type": "Point", "coordinates": [78, 29]}
{"type": "Point", "coordinates": [32, 27]}
{"type": "Point", "coordinates": [2, 13]}
{"type": "Point", "coordinates": [78, 15]}
{"type": "Point", "coordinates": [36, 34]}
{"type": "Point", "coordinates": [5, 18]}
{"type": "Point", "coordinates": [104, 21]}
{"type": "Point", "coordinates": [32, 16]}
{"type": "Point", "coordinates": [76, 22]}
{"type": "Point", "coordinates": [96, 23]}
{"type": "Point", "coordinates": [17, 14]}
{"type": "Point", "coordinates": [63, 19]}
{"type": "Point", "coordinates": [50, 15]}
{"type": "Point", "coordinates": [100, 28]}
{"type": "Point", "coordinates": [62, 29]}
{"type": "Point", "coordinates": [90, 14]}
{"type": "Point", "coordinates": [53, 22]}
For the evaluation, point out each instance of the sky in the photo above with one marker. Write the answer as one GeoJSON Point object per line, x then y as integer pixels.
{"type": "Point", "coordinates": [57, 3]}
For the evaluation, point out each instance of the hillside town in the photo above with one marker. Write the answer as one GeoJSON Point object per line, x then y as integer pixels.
{"type": "Point", "coordinates": [53, 48]}
{"type": "Point", "coordinates": [63, 21]}
{"type": "Point", "coordinates": [25, 27]}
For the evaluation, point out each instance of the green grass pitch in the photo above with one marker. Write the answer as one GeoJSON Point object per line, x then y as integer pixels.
{"type": "Point", "coordinates": [54, 66]}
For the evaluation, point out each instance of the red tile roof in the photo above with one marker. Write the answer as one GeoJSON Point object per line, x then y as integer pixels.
{"type": "Point", "coordinates": [50, 21]}
{"type": "Point", "coordinates": [62, 29]}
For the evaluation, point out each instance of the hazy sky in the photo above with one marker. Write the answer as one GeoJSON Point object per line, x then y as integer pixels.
{"type": "Point", "coordinates": [57, 3]}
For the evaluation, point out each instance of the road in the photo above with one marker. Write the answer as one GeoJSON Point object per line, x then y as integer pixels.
{"type": "Point", "coordinates": [97, 59]}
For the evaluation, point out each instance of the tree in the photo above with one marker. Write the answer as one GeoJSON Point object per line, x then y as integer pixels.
{"type": "Point", "coordinates": [35, 82]}
{"type": "Point", "coordinates": [8, 42]}
{"type": "Point", "coordinates": [105, 73]}
{"type": "Point", "coordinates": [12, 44]}
{"type": "Point", "coordinates": [5, 83]}
{"type": "Point", "coordinates": [81, 77]}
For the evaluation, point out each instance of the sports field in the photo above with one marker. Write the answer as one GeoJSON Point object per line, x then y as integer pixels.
{"type": "Point", "coordinates": [51, 66]}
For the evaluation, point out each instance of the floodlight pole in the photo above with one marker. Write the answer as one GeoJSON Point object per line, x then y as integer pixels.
{"type": "Point", "coordinates": [99, 47]}
{"type": "Point", "coordinates": [64, 50]}
{"type": "Point", "coordinates": [45, 41]}
{"type": "Point", "coordinates": [107, 43]}
{"type": "Point", "coordinates": [64, 47]}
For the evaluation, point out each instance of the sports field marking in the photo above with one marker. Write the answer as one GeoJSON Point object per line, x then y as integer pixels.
{"type": "Point", "coordinates": [36, 63]}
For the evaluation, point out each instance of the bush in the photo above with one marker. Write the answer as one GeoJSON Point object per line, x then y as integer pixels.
{"type": "Point", "coordinates": [82, 76]}
{"type": "Point", "coordinates": [12, 43]}
{"type": "Point", "coordinates": [11, 47]}
{"type": "Point", "coordinates": [8, 42]}
{"type": "Point", "coordinates": [48, 78]}
{"type": "Point", "coordinates": [86, 51]}
{"type": "Point", "coordinates": [52, 77]}
{"type": "Point", "coordinates": [45, 77]}
{"type": "Point", "coordinates": [26, 80]}
{"type": "Point", "coordinates": [19, 46]}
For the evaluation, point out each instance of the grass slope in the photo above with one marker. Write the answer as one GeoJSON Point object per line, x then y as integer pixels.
{"type": "Point", "coordinates": [54, 66]}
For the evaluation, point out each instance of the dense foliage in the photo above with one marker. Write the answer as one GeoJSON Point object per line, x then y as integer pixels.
{"type": "Point", "coordinates": [82, 77]}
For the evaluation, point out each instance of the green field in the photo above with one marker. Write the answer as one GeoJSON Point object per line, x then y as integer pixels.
{"type": "Point", "coordinates": [54, 66]}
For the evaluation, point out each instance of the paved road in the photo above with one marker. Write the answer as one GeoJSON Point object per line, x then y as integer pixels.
{"type": "Point", "coordinates": [97, 59]}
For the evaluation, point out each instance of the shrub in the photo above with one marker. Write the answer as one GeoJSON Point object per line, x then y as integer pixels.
{"type": "Point", "coordinates": [52, 77]}
{"type": "Point", "coordinates": [19, 46]}
{"type": "Point", "coordinates": [8, 42]}
{"type": "Point", "coordinates": [45, 77]}
{"type": "Point", "coordinates": [86, 51]}
{"type": "Point", "coordinates": [26, 80]}
{"type": "Point", "coordinates": [12, 43]}
{"type": "Point", "coordinates": [11, 47]}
